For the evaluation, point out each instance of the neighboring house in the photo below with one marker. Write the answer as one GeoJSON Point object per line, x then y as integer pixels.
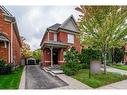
{"type": "Point", "coordinates": [10, 43]}
{"type": "Point", "coordinates": [57, 39]}
{"type": "Point", "coordinates": [125, 57]}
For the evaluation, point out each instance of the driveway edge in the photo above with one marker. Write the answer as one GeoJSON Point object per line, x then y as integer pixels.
{"type": "Point", "coordinates": [22, 81]}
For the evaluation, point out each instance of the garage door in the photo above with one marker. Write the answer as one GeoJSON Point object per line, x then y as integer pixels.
{"type": "Point", "coordinates": [31, 62]}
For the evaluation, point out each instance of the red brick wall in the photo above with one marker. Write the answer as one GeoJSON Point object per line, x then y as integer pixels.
{"type": "Point", "coordinates": [125, 47]}
{"type": "Point", "coordinates": [77, 43]}
{"type": "Point", "coordinates": [51, 36]}
{"type": "Point", "coordinates": [16, 49]}
{"type": "Point", "coordinates": [45, 37]}
{"type": "Point", "coordinates": [3, 52]}
{"type": "Point", "coordinates": [46, 58]}
{"type": "Point", "coordinates": [62, 36]}
{"type": "Point", "coordinates": [5, 27]}
{"type": "Point", "coordinates": [60, 56]}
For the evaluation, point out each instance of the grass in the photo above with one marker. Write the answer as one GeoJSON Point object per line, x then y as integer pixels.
{"type": "Point", "coordinates": [97, 80]}
{"type": "Point", "coordinates": [12, 80]}
{"type": "Point", "coordinates": [122, 67]}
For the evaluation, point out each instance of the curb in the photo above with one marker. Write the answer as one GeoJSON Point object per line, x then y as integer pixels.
{"type": "Point", "coordinates": [22, 81]}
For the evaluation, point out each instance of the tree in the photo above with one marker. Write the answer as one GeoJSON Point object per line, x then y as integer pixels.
{"type": "Point", "coordinates": [37, 55]}
{"type": "Point", "coordinates": [25, 51]}
{"type": "Point", "coordinates": [103, 27]}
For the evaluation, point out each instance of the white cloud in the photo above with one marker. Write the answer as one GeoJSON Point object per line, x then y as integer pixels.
{"type": "Point", "coordinates": [33, 20]}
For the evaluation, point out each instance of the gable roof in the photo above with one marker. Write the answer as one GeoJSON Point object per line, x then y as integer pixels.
{"type": "Point", "coordinates": [70, 24]}
{"type": "Point", "coordinates": [54, 27]}
{"type": "Point", "coordinates": [6, 12]}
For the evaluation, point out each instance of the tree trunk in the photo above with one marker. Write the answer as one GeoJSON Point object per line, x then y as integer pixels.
{"type": "Point", "coordinates": [105, 63]}
{"type": "Point", "coordinates": [112, 55]}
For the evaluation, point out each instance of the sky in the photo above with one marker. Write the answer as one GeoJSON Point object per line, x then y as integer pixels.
{"type": "Point", "coordinates": [33, 20]}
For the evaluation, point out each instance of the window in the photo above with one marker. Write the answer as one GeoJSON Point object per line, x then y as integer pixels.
{"type": "Point", "coordinates": [70, 38]}
{"type": "Point", "coordinates": [55, 36]}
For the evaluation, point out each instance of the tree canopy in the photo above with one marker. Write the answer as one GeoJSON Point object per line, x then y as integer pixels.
{"type": "Point", "coordinates": [102, 26]}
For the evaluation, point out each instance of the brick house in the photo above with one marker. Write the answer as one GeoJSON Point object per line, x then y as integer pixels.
{"type": "Point", "coordinates": [10, 43]}
{"type": "Point", "coordinates": [57, 39]}
{"type": "Point", "coordinates": [125, 56]}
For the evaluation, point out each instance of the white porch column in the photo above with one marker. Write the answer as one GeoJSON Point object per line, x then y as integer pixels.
{"type": "Point", "coordinates": [51, 49]}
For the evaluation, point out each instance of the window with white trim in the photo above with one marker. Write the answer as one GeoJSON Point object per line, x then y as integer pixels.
{"type": "Point", "coordinates": [55, 36]}
{"type": "Point", "coordinates": [70, 38]}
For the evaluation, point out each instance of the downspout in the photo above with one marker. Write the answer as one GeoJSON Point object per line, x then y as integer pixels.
{"type": "Point", "coordinates": [12, 41]}
{"type": "Point", "coordinates": [9, 52]}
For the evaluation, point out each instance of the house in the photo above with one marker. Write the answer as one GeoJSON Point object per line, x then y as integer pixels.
{"type": "Point", "coordinates": [125, 56]}
{"type": "Point", "coordinates": [10, 43]}
{"type": "Point", "coordinates": [57, 39]}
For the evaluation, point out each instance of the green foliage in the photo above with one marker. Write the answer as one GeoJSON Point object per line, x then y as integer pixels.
{"type": "Point", "coordinates": [5, 68]}
{"type": "Point", "coordinates": [37, 55]}
{"type": "Point", "coordinates": [11, 81]}
{"type": "Point", "coordinates": [118, 54]}
{"type": "Point", "coordinates": [71, 55]}
{"type": "Point", "coordinates": [89, 54]}
{"type": "Point", "coordinates": [84, 56]}
{"type": "Point", "coordinates": [72, 62]}
{"type": "Point", "coordinates": [120, 66]}
{"type": "Point", "coordinates": [2, 63]}
{"type": "Point", "coordinates": [71, 67]}
{"type": "Point", "coordinates": [102, 27]}
{"type": "Point", "coordinates": [98, 80]}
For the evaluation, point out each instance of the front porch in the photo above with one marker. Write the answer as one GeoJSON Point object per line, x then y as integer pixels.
{"type": "Point", "coordinates": [53, 53]}
{"type": "Point", "coordinates": [4, 48]}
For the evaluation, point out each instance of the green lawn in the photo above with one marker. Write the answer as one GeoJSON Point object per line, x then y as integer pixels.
{"type": "Point", "coordinates": [11, 81]}
{"type": "Point", "coordinates": [122, 67]}
{"type": "Point", "coordinates": [98, 80]}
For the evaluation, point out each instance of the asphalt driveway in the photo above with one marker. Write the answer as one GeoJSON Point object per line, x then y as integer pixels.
{"type": "Point", "coordinates": [39, 79]}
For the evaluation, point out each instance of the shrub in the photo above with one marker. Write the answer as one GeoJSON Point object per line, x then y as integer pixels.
{"type": "Point", "coordinates": [71, 55]}
{"type": "Point", "coordinates": [71, 67]}
{"type": "Point", "coordinates": [72, 62]}
{"type": "Point", "coordinates": [8, 68]}
{"type": "Point", "coordinates": [87, 55]}
{"type": "Point", "coordinates": [68, 71]}
{"type": "Point", "coordinates": [2, 63]}
{"type": "Point", "coordinates": [5, 68]}
{"type": "Point", "coordinates": [118, 54]}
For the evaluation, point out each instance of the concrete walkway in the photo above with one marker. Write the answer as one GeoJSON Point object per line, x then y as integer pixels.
{"type": "Point", "coordinates": [110, 69]}
{"type": "Point", "coordinates": [22, 82]}
{"type": "Point", "coordinates": [117, 85]}
{"type": "Point", "coordinates": [72, 83]}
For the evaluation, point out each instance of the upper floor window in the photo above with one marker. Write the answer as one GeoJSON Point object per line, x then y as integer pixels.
{"type": "Point", "coordinates": [70, 38]}
{"type": "Point", "coordinates": [55, 36]}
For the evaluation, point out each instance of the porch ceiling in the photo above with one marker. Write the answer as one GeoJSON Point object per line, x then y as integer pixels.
{"type": "Point", "coordinates": [54, 44]}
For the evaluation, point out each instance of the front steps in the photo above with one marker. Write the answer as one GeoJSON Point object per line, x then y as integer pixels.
{"type": "Point", "coordinates": [54, 70]}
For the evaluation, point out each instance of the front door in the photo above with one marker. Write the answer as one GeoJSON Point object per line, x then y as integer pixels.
{"type": "Point", "coordinates": [55, 56]}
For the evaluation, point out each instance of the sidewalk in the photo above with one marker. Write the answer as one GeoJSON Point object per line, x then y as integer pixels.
{"type": "Point", "coordinates": [117, 85]}
{"type": "Point", "coordinates": [72, 83]}
{"type": "Point", "coordinates": [110, 69]}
